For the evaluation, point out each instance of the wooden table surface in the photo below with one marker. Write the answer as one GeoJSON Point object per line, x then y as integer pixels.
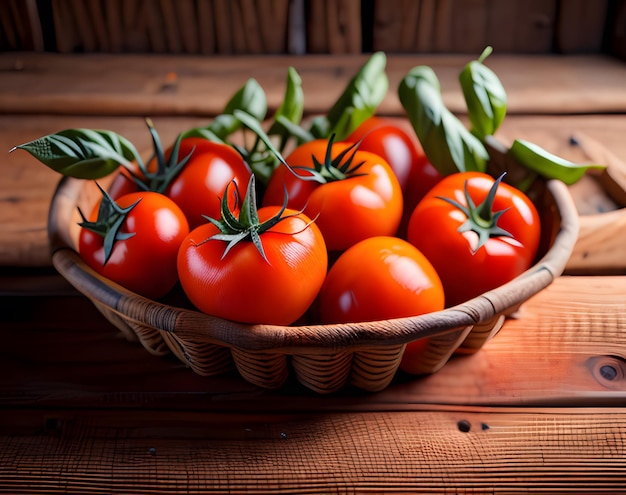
{"type": "Point", "coordinates": [541, 407]}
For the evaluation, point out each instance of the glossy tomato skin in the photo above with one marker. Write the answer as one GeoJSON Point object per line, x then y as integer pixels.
{"type": "Point", "coordinates": [466, 272]}
{"type": "Point", "coordinates": [199, 187]}
{"type": "Point", "coordinates": [379, 278]}
{"type": "Point", "coordinates": [146, 262]}
{"type": "Point", "coordinates": [389, 140]}
{"type": "Point", "coordinates": [241, 285]}
{"type": "Point", "coordinates": [367, 203]}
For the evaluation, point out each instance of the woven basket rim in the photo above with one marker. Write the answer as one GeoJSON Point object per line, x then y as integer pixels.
{"type": "Point", "coordinates": [194, 325]}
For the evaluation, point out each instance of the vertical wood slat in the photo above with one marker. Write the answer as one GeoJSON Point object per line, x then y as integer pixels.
{"type": "Point", "coordinates": [334, 26]}
{"type": "Point", "coordinates": [206, 29]}
{"type": "Point", "coordinates": [465, 26]}
{"type": "Point", "coordinates": [221, 11]}
{"type": "Point", "coordinates": [20, 27]}
{"type": "Point", "coordinates": [273, 20]}
{"type": "Point", "coordinates": [113, 20]}
{"type": "Point", "coordinates": [617, 37]}
{"type": "Point", "coordinates": [188, 26]}
{"type": "Point", "coordinates": [167, 13]}
{"type": "Point", "coordinates": [172, 26]}
{"type": "Point", "coordinates": [246, 21]}
{"type": "Point", "coordinates": [580, 26]}
{"type": "Point", "coordinates": [65, 31]}
{"type": "Point", "coordinates": [316, 28]}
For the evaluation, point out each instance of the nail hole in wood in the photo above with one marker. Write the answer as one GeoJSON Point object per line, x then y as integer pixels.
{"type": "Point", "coordinates": [464, 425]}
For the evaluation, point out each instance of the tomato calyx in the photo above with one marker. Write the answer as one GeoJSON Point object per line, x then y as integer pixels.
{"type": "Point", "coordinates": [332, 169]}
{"type": "Point", "coordinates": [110, 218]}
{"type": "Point", "coordinates": [481, 219]}
{"type": "Point", "coordinates": [166, 169]}
{"type": "Point", "coordinates": [246, 226]}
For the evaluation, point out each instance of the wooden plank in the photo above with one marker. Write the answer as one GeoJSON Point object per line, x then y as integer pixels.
{"type": "Point", "coordinates": [581, 26]}
{"type": "Point", "coordinates": [469, 28]}
{"type": "Point", "coordinates": [93, 85]}
{"type": "Point", "coordinates": [566, 346]}
{"type": "Point", "coordinates": [535, 26]}
{"type": "Point", "coordinates": [389, 20]}
{"type": "Point", "coordinates": [558, 451]}
{"type": "Point", "coordinates": [206, 31]}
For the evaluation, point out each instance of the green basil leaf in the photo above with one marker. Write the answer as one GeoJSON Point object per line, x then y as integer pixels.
{"type": "Point", "coordinates": [360, 99]}
{"type": "Point", "coordinates": [291, 108]}
{"type": "Point", "coordinates": [449, 146]}
{"type": "Point", "coordinates": [250, 98]}
{"type": "Point", "coordinates": [82, 153]}
{"type": "Point", "coordinates": [301, 134]}
{"type": "Point", "coordinates": [546, 164]}
{"type": "Point", "coordinates": [484, 95]}
{"type": "Point", "coordinates": [320, 127]}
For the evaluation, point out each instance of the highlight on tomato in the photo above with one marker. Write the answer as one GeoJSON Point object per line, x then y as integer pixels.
{"type": "Point", "coordinates": [351, 194]}
{"type": "Point", "coordinates": [477, 231]}
{"type": "Point", "coordinates": [379, 278]}
{"type": "Point", "coordinates": [193, 172]}
{"type": "Point", "coordinates": [134, 241]}
{"type": "Point", "coordinates": [389, 140]}
{"type": "Point", "coordinates": [264, 265]}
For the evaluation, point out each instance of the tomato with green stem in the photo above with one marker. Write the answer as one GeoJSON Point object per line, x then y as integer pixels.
{"type": "Point", "coordinates": [351, 194]}
{"type": "Point", "coordinates": [134, 241]}
{"type": "Point", "coordinates": [263, 265]}
{"type": "Point", "coordinates": [193, 172]}
{"type": "Point", "coordinates": [477, 231]}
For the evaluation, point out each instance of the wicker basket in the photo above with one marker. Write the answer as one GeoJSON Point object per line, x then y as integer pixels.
{"type": "Point", "coordinates": [324, 358]}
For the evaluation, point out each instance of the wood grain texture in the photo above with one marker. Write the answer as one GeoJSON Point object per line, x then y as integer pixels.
{"type": "Point", "coordinates": [467, 26]}
{"type": "Point", "coordinates": [83, 410]}
{"type": "Point", "coordinates": [562, 349]}
{"type": "Point", "coordinates": [460, 451]}
{"type": "Point", "coordinates": [134, 84]}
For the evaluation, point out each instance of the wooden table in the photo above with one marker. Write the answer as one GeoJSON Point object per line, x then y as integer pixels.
{"type": "Point", "coordinates": [542, 407]}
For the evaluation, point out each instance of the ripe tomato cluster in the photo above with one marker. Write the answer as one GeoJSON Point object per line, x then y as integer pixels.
{"type": "Point", "coordinates": [356, 230]}
{"type": "Point", "coordinates": [359, 220]}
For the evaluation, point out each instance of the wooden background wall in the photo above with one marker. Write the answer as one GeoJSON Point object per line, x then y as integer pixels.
{"type": "Point", "coordinates": [230, 27]}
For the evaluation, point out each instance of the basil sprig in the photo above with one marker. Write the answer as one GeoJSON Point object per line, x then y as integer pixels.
{"type": "Point", "coordinates": [449, 146]}
{"type": "Point", "coordinates": [484, 95]}
{"type": "Point", "coordinates": [82, 153]}
{"type": "Point", "coordinates": [250, 98]}
{"type": "Point", "coordinates": [358, 102]}
{"type": "Point", "coordinates": [290, 110]}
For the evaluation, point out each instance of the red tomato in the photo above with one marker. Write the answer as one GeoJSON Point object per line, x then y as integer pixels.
{"type": "Point", "coordinates": [389, 140]}
{"type": "Point", "coordinates": [144, 262]}
{"type": "Point", "coordinates": [348, 204]}
{"type": "Point", "coordinates": [198, 187]}
{"type": "Point", "coordinates": [379, 278]}
{"type": "Point", "coordinates": [444, 233]}
{"type": "Point", "coordinates": [241, 285]}
{"type": "Point", "coordinates": [382, 278]}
